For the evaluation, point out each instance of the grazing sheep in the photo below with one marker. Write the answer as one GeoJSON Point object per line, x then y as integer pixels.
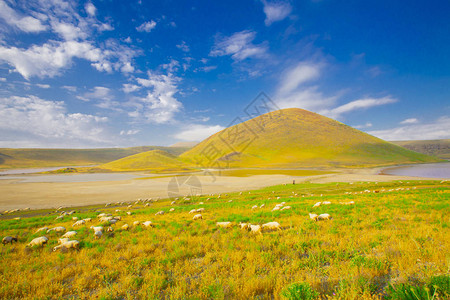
{"type": "Point", "coordinates": [136, 223]}
{"type": "Point", "coordinates": [200, 210]}
{"type": "Point", "coordinates": [98, 234]}
{"type": "Point", "coordinates": [317, 204]}
{"type": "Point", "coordinates": [125, 227]}
{"type": "Point", "coordinates": [113, 221]}
{"type": "Point", "coordinates": [97, 228]}
{"type": "Point", "coordinates": [9, 239]}
{"type": "Point", "coordinates": [68, 244]}
{"type": "Point", "coordinates": [272, 225]}
{"type": "Point", "coordinates": [148, 224]}
{"type": "Point", "coordinates": [196, 217]}
{"type": "Point", "coordinates": [255, 229]}
{"type": "Point", "coordinates": [69, 234]}
{"type": "Point", "coordinates": [57, 229]}
{"type": "Point", "coordinates": [244, 225]}
{"type": "Point", "coordinates": [39, 241]}
{"type": "Point", "coordinates": [326, 203]}
{"type": "Point", "coordinates": [224, 224]}
{"type": "Point", "coordinates": [313, 216]}
{"type": "Point", "coordinates": [192, 211]}
{"type": "Point", "coordinates": [87, 220]}
{"type": "Point", "coordinates": [42, 229]}
{"type": "Point", "coordinates": [74, 218]}
{"type": "Point", "coordinates": [172, 209]}
{"type": "Point", "coordinates": [63, 240]}
{"type": "Point", "coordinates": [59, 217]}
{"type": "Point", "coordinates": [262, 205]}
{"type": "Point", "coordinates": [254, 207]}
{"type": "Point", "coordinates": [276, 208]}
{"type": "Point", "coordinates": [286, 207]}
{"type": "Point", "coordinates": [129, 213]}
{"type": "Point", "coordinates": [109, 229]}
{"type": "Point", "coordinates": [79, 223]}
{"type": "Point", "coordinates": [161, 212]}
{"type": "Point", "coordinates": [324, 217]}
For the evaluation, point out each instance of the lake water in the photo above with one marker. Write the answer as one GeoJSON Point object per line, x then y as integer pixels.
{"type": "Point", "coordinates": [437, 170]}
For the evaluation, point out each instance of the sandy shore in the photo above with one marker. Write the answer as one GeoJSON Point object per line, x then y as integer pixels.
{"type": "Point", "coordinates": [16, 194]}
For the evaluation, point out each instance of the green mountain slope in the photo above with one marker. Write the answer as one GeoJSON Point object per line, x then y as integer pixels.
{"type": "Point", "coordinates": [35, 158]}
{"type": "Point", "coordinates": [292, 138]}
{"type": "Point", "coordinates": [156, 160]}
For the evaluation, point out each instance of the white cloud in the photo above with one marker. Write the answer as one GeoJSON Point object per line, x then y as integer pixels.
{"type": "Point", "coordinates": [31, 121]}
{"type": "Point", "coordinates": [68, 31]}
{"type": "Point", "coordinates": [2, 79]}
{"type": "Point", "coordinates": [196, 132]}
{"type": "Point", "coordinates": [276, 11]}
{"type": "Point", "coordinates": [160, 104]}
{"type": "Point", "coordinates": [239, 46]}
{"type": "Point", "coordinates": [69, 88]}
{"type": "Point", "coordinates": [367, 125]}
{"type": "Point", "coordinates": [27, 23]}
{"type": "Point", "coordinates": [183, 46]}
{"type": "Point", "coordinates": [129, 132]}
{"type": "Point", "coordinates": [147, 26]}
{"type": "Point", "coordinates": [359, 104]}
{"type": "Point", "coordinates": [410, 121]}
{"type": "Point", "coordinates": [90, 9]}
{"type": "Point", "coordinates": [43, 86]}
{"type": "Point", "coordinates": [129, 88]}
{"type": "Point", "coordinates": [431, 131]}
{"type": "Point", "coordinates": [301, 73]}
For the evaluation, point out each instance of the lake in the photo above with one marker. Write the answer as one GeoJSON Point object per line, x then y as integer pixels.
{"type": "Point", "coordinates": [436, 170]}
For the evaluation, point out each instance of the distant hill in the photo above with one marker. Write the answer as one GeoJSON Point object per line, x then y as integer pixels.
{"type": "Point", "coordinates": [37, 158]}
{"type": "Point", "coordinates": [438, 148]}
{"type": "Point", "coordinates": [184, 144]}
{"type": "Point", "coordinates": [155, 160]}
{"type": "Point", "coordinates": [291, 138]}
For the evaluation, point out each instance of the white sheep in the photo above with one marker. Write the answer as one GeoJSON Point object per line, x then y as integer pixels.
{"type": "Point", "coordinates": [255, 229]}
{"type": "Point", "coordinates": [262, 205]}
{"type": "Point", "coordinates": [68, 244]}
{"type": "Point", "coordinates": [148, 224]}
{"type": "Point", "coordinates": [63, 240]}
{"type": "Point", "coordinates": [286, 207]}
{"type": "Point", "coordinates": [69, 234]}
{"type": "Point", "coordinates": [276, 208]}
{"type": "Point", "coordinates": [198, 216]}
{"type": "Point", "coordinates": [97, 228]}
{"type": "Point", "coordinates": [109, 229]}
{"type": "Point", "coordinates": [136, 223]}
{"type": "Point", "coordinates": [87, 220]}
{"type": "Point", "coordinates": [326, 203]}
{"type": "Point", "coordinates": [224, 224]}
{"type": "Point", "coordinates": [42, 229]}
{"type": "Point", "coordinates": [161, 212]}
{"type": "Point", "coordinates": [172, 209]}
{"type": "Point", "coordinates": [57, 229]}
{"type": "Point", "coordinates": [244, 225]}
{"type": "Point", "coordinates": [98, 234]}
{"type": "Point", "coordinates": [317, 204]}
{"type": "Point", "coordinates": [272, 225]}
{"type": "Point", "coordinates": [324, 217]}
{"type": "Point", "coordinates": [313, 216]}
{"type": "Point", "coordinates": [254, 207]}
{"type": "Point", "coordinates": [125, 227]}
{"type": "Point", "coordinates": [39, 241]}
{"type": "Point", "coordinates": [200, 210]}
{"type": "Point", "coordinates": [192, 211]}
{"type": "Point", "coordinates": [79, 223]}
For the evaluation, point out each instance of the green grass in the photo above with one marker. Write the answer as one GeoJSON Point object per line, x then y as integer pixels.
{"type": "Point", "coordinates": [388, 245]}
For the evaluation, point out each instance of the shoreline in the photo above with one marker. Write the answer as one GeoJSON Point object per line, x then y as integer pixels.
{"type": "Point", "coordinates": [35, 195]}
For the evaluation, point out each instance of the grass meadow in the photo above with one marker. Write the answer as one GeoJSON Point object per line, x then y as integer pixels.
{"type": "Point", "coordinates": [391, 244]}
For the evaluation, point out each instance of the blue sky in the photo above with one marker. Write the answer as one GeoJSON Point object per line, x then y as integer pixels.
{"type": "Point", "coordinates": [127, 73]}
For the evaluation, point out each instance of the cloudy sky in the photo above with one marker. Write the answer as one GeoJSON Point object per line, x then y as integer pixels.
{"type": "Point", "coordinates": [126, 73]}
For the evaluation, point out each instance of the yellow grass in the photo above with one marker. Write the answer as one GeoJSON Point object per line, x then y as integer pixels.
{"type": "Point", "coordinates": [398, 235]}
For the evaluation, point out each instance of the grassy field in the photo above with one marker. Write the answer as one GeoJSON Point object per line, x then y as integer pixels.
{"type": "Point", "coordinates": [391, 244]}
{"type": "Point", "coordinates": [38, 158]}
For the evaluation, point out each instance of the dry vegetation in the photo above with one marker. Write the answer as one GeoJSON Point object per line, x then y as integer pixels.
{"type": "Point", "coordinates": [383, 246]}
